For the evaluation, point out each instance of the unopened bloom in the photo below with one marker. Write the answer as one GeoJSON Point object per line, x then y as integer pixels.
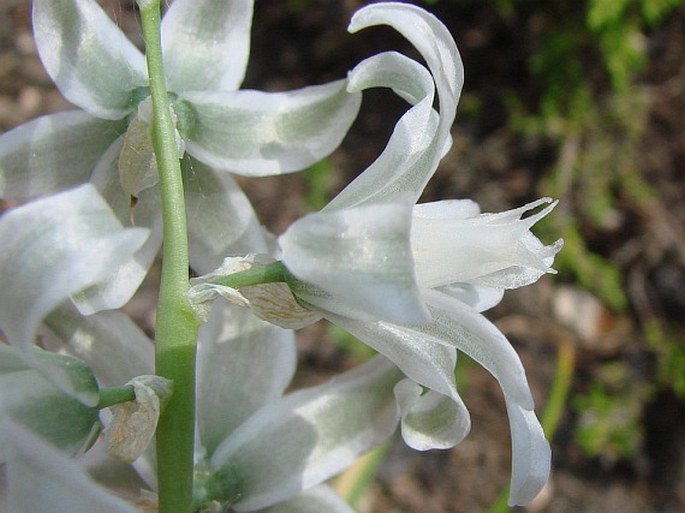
{"type": "Point", "coordinates": [220, 129]}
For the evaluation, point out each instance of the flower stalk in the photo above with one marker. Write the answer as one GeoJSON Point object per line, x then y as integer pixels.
{"type": "Point", "coordinates": [176, 326]}
{"type": "Point", "coordinates": [115, 395]}
{"type": "Point", "coordinates": [271, 273]}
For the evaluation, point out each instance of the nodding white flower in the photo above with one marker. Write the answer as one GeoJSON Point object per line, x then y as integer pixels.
{"type": "Point", "coordinates": [446, 264]}
{"type": "Point", "coordinates": [221, 129]}
{"type": "Point", "coordinates": [412, 280]}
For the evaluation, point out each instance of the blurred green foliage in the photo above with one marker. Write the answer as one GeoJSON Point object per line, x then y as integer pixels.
{"type": "Point", "coordinates": [668, 345]}
{"type": "Point", "coordinates": [318, 179]}
{"type": "Point", "coordinates": [592, 107]}
{"type": "Point", "coordinates": [596, 120]}
{"type": "Point", "coordinates": [609, 426]}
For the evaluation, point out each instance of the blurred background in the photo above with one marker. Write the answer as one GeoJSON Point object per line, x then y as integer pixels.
{"type": "Point", "coordinates": [578, 100]}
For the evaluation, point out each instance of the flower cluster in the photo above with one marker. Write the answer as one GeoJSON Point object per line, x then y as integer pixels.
{"type": "Point", "coordinates": [409, 280]}
{"type": "Point", "coordinates": [220, 129]}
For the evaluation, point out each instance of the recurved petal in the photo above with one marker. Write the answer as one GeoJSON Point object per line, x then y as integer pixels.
{"type": "Point", "coordinates": [406, 163]}
{"type": "Point", "coordinates": [477, 337]}
{"type": "Point", "coordinates": [221, 220]}
{"type": "Point", "coordinates": [243, 363]}
{"type": "Point", "coordinates": [430, 420]}
{"type": "Point", "coordinates": [254, 133]}
{"type": "Point", "coordinates": [435, 43]}
{"type": "Point", "coordinates": [422, 357]}
{"type": "Point", "coordinates": [54, 248]}
{"type": "Point", "coordinates": [356, 262]}
{"type": "Point", "coordinates": [316, 500]}
{"type": "Point", "coordinates": [308, 436]}
{"type": "Point", "coordinates": [432, 39]}
{"type": "Point", "coordinates": [41, 479]}
{"type": "Point", "coordinates": [52, 153]}
{"type": "Point", "coordinates": [531, 455]}
{"type": "Point", "coordinates": [92, 62]}
{"type": "Point", "coordinates": [458, 325]}
{"type": "Point", "coordinates": [206, 44]}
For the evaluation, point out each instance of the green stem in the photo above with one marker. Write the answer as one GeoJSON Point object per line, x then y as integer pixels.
{"type": "Point", "coordinates": [356, 480]}
{"type": "Point", "coordinates": [115, 395]}
{"type": "Point", "coordinates": [176, 327]}
{"type": "Point", "coordinates": [272, 273]}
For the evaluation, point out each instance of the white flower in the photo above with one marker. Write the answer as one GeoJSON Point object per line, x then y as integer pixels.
{"type": "Point", "coordinates": [223, 129]}
{"type": "Point", "coordinates": [412, 280]}
{"type": "Point", "coordinates": [53, 248]}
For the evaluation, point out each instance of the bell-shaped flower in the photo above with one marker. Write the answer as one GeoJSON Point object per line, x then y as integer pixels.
{"type": "Point", "coordinates": [412, 280]}
{"type": "Point", "coordinates": [221, 129]}
{"type": "Point", "coordinates": [256, 450]}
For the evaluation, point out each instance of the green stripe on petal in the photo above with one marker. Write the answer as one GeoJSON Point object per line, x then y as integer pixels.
{"type": "Point", "coordinates": [109, 342]}
{"type": "Point", "coordinates": [29, 398]}
{"type": "Point", "coordinates": [115, 290]}
{"type": "Point", "coordinates": [221, 220]}
{"type": "Point", "coordinates": [308, 436]}
{"type": "Point", "coordinates": [254, 133]}
{"type": "Point", "coordinates": [52, 153]}
{"type": "Point", "coordinates": [206, 44]}
{"type": "Point", "coordinates": [243, 363]}
{"type": "Point", "coordinates": [92, 62]}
